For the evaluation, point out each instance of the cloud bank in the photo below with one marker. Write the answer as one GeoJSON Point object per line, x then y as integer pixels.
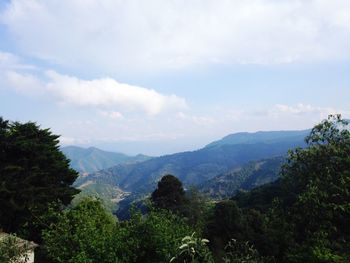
{"type": "Point", "coordinates": [158, 35]}
{"type": "Point", "coordinates": [105, 93]}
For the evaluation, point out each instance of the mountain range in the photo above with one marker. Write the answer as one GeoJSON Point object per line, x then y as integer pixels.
{"type": "Point", "coordinates": [197, 167]}
{"type": "Point", "coordinates": [88, 160]}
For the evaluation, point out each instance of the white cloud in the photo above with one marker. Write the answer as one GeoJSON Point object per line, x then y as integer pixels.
{"type": "Point", "coordinates": [115, 115]}
{"type": "Point", "coordinates": [11, 61]}
{"type": "Point", "coordinates": [104, 92]}
{"type": "Point", "coordinates": [23, 83]}
{"type": "Point", "coordinates": [115, 36]}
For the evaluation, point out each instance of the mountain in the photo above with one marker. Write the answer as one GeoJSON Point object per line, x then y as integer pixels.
{"type": "Point", "coordinates": [88, 160]}
{"type": "Point", "coordinates": [196, 167]}
{"type": "Point", "coordinates": [247, 177]}
{"type": "Point", "coordinates": [267, 137]}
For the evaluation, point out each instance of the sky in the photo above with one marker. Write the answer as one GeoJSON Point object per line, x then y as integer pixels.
{"type": "Point", "coordinates": [158, 77]}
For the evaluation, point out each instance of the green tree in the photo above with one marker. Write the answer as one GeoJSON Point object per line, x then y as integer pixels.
{"type": "Point", "coordinates": [319, 178]}
{"type": "Point", "coordinates": [197, 209]}
{"type": "Point", "coordinates": [169, 195]}
{"type": "Point", "coordinates": [82, 234]}
{"type": "Point", "coordinates": [33, 173]}
{"type": "Point", "coordinates": [156, 236]}
{"type": "Point", "coordinates": [241, 252]}
{"type": "Point", "coordinates": [225, 223]}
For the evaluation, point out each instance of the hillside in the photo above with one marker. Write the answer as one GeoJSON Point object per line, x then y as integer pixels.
{"type": "Point", "coordinates": [88, 160]}
{"type": "Point", "coordinates": [196, 167]}
{"type": "Point", "coordinates": [110, 195]}
{"type": "Point", "coordinates": [247, 177]}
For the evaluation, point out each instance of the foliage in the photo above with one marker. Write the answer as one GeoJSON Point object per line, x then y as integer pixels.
{"type": "Point", "coordinates": [225, 223]}
{"type": "Point", "coordinates": [319, 178]}
{"type": "Point", "coordinates": [301, 217]}
{"type": "Point", "coordinates": [155, 236]}
{"type": "Point", "coordinates": [88, 233]}
{"type": "Point", "coordinates": [241, 252]}
{"type": "Point", "coordinates": [193, 250]}
{"type": "Point", "coordinates": [169, 194]}
{"type": "Point", "coordinates": [33, 173]}
{"type": "Point", "coordinates": [197, 209]}
{"type": "Point", "coordinates": [305, 214]}
{"type": "Point", "coordinates": [81, 234]}
{"type": "Point", "coordinates": [260, 198]}
{"type": "Point", "coordinates": [130, 202]}
{"type": "Point", "coordinates": [13, 252]}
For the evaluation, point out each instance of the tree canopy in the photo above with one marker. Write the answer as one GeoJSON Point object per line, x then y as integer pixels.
{"type": "Point", "coordinates": [319, 179]}
{"type": "Point", "coordinates": [33, 173]}
{"type": "Point", "coordinates": [169, 194]}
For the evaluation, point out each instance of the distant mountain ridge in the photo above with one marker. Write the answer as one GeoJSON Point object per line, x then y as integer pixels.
{"type": "Point", "coordinates": [260, 137]}
{"type": "Point", "coordinates": [88, 160]}
{"type": "Point", "coordinates": [196, 167]}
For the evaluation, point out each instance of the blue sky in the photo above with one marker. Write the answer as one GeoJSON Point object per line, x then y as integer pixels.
{"type": "Point", "coordinates": [158, 77]}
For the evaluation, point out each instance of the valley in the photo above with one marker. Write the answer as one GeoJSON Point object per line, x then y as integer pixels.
{"type": "Point", "coordinates": [238, 161]}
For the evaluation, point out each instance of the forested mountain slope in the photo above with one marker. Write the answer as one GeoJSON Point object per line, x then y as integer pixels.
{"type": "Point", "coordinates": [196, 167]}
{"type": "Point", "coordinates": [88, 160]}
{"type": "Point", "coordinates": [247, 177]}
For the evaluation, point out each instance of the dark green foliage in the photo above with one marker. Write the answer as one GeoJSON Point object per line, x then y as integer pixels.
{"type": "Point", "coordinates": [225, 223]}
{"type": "Point", "coordinates": [33, 173]}
{"type": "Point", "coordinates": [197, 209]}
{"type": "Point", "coordinates": [306, 213]}
{"type": "Point", "coordinates": [241, 252]}
{"type": "Point", "coordinates": [139, 202]}
{"type": "Point", "coordinates": [319, 178]}
{"type": "Point", "coordinates": [169, 195]}
{"type": "Point", "coordinates": [229, 223]}
{"type": "Point", "coordinates": [260, 198]}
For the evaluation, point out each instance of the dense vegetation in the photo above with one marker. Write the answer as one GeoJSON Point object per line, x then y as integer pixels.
{"type": "Point", "coordinates": [33, 173]}
{"type": "Point", "coordinates": [301, 217]}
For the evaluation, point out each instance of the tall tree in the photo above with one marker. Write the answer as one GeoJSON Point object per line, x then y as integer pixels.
{"type": "Point", "coordinates": [170, 194]}
{"type": "Point", "coordinates": [33, 173]}
{"type": "Point", "coordinates": [319, 178]}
